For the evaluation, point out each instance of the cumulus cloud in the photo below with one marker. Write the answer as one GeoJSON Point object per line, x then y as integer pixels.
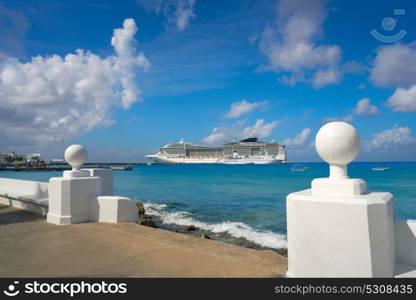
{"type": "Point", "coordinates": [218, 135]}
{"type": "Point", "coordinates": [178, 12]}
{"type": "Point", "coordinates": [291, 45]}
{"type": "Point", "coordinates": [260, 129]}
{"type": "Point", "coordinates": [365, 108]}
{"type": "Point", "coordinates": [347, 118]}
{"type": "Point", "coordinates": [325, 77]}
{"type": "Point", "coordinates": [298, 140]}
{"type": "Point", "coordinates": [403, 100]}
{"type": "Point", "coordinates": [397, 136]}
{"type": "Point", "coordinates": [243, 107]}
{"type": "Point", "coordinates": [395, 65]}
{"type": "Point", "coordinates": [53, 98]}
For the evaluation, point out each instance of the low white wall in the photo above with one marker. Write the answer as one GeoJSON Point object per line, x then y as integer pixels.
{"type": "Point", "coordinates": [33, 189]}
{"type": "Point", "coordinates": [115, 209]}
{"type": "Point", "coordinates": [24, 194]}
{"type": "Point", "coordinates": [70, 200]}
{"type": "Point", "coordinates": [405, 240]}
{"type": "Point", "coordinates": [25, 204]}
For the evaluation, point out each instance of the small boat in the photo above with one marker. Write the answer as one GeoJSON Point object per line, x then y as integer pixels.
{"type": "Point", "coordinates": [299, 168]}
{"type": "Point", "coordinates": [380, 168]}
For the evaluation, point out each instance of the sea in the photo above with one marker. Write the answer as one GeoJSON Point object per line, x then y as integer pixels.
{"type": "Point", "coordinates": [240, 204]}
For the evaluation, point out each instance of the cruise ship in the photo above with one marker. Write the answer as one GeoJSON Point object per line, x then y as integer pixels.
{"type": "Point", "coordinates": [246, 151]}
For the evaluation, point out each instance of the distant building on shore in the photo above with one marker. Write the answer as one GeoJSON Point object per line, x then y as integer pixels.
{"type": "Point", "coordinates": [15, 158]}
{"type": "Point", "coordinates": [34, 157]}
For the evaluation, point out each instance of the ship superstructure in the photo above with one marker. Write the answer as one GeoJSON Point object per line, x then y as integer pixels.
{"type": "Point", "coordinates": [246, 151]}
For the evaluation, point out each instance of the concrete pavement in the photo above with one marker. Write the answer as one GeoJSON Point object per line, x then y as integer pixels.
{"type": "Point", "coordinates": [30, 247]}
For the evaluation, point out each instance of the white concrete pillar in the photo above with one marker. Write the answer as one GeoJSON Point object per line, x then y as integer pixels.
{"type": "Point", "coordinates": [71, 200]}
{"type": "Point", "coordinates": [338, 228]}
{"type": "Point", "coordinates": [86, 195]}
{"type": "Point", "coordinates": [71, 197]}
{"type": "Point", "coordinates": [106, 176]}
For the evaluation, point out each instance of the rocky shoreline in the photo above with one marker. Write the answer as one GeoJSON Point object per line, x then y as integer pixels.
{"type": "Point", "coordinates": [156, 222]}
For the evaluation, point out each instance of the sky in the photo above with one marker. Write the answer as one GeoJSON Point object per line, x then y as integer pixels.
{"type": "Point", "coordinates": [124, 78]}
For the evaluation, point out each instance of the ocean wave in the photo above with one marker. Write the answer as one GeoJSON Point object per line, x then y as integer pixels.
{"type": "Point", "coordinates": [236, 229]}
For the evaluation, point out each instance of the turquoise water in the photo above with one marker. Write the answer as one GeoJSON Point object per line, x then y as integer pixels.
{"type": "Point", "coordinates": [244, 201]}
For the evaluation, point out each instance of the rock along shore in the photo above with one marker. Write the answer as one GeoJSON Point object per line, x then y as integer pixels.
{"type": "Point", "coordinates": [156, 222]}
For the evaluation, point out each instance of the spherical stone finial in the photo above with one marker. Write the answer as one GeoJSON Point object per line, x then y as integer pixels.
{"type": "Point", "coordinates": [76, 156]}
{"type": "Point", "coordinates": [338, 143]}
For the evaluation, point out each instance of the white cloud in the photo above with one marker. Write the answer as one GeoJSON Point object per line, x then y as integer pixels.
{"type": "Point", "coordinates": [365, 108]}
{"type": "Point", "coordinates": [260, 129]}
{"type": "Point", "coordinates": [403, 100]}
{"type": "Point", "coordinates": [397, 136]}
{"type": "Point", "coordinates": [237, 131]}
{"type": "Point", "coordinates": [179, 12]}
{"type": "Point", "coordinates": [395, 65]}
{"type": "Point", "coordinates": [243, 107]}
{"type": "Point", "coordinates": [184, 12]}
{"type": "Point", "coordinates": [218, 135]}
{"type": "Point", "coordinates": [347, 118]}
{"type": "Point", "coordinates": [291, 46]}
{"type": "Point", "coordinates": [325, 77]}
{"type": "Point", "coordinates": [53, 98]}
{"type": "Point", "coordinates": [298, 140]}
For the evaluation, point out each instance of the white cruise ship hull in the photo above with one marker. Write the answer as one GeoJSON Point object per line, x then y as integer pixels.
{"type": "Point", "coordinates": [181, 160]}
{"type": "Point", "coordinates": [243, 152]}
{"type": "Point", "coordinates": [250, 161]}
{"type": "Point", "coordinates": [214, 160]}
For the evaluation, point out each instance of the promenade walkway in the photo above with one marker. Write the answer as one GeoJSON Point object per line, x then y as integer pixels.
{"type": "Point", "coordinates": [30, 247]}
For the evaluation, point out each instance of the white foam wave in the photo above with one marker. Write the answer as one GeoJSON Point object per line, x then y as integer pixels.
{"type": "Point", "coordinates": [236, 229]}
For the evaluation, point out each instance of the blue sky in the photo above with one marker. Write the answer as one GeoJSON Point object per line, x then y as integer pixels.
{"type": "Point", "coordinates": [154, 71]}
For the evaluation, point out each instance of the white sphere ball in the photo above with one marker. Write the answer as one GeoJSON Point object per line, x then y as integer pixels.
{"type": "Point", "coordinates": [76, 155]}
{"type": "Point", "coordinates": [337, 143]}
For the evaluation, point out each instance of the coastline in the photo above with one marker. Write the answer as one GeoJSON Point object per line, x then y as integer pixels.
{"type": "Point", "coordinates": [152, 215]}
{"type": "Point", "coordinates": [219, 237]}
